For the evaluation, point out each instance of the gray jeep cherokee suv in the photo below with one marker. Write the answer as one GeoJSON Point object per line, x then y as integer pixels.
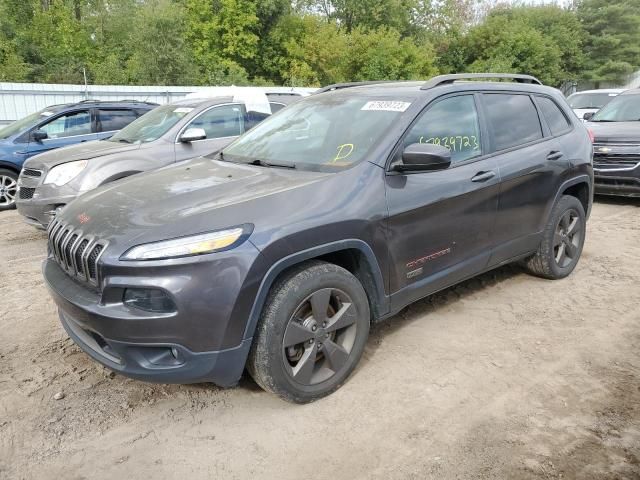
{"type": "Point", "coordinates": [279, 252]}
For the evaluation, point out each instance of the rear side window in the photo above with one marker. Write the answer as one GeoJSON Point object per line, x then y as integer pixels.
{"type": "Point", "coordinates": [514, 119]}
{"type": "Point", "coordinates": [556, 120]}
{"type": "Point", "coordinates": [451, 123]}
{"type": "Point", "coordinates": [110, 120]}
{"type": "Point", "coordinates": [222, 121]}
{"type": "Point", "coordinates": [276, 107]}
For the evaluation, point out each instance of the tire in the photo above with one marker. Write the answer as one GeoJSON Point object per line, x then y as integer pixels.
{"type": "Point", "coordinates": [293, 355]}
{"type": "Point", "coordinates": [8, 189]}
{"type": "Point", "coordinates": [562, 241]}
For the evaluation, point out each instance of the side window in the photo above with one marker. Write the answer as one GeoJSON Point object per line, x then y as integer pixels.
{"type": "Point", "coordinates": [276, 107]}
{"type": "Point", "coordinates": [222, 121]}
{"type": "Point", "coordinates": [110, 120]}
{"type": "Point", "coordinates": [556, 120]}
{"type": "Point", "coordinates": [514, 119]}
{"type": "Point", "coordinates": [69, 124]}
{"type": "Point", "coordinates": [452, 123]}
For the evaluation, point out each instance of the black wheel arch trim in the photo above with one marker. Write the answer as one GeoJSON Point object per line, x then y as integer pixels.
{"type": "Point", "coordinates": [10, 166]}
{"type": "Point", "coordinates": [281, 265]}
{"type": "Point", "coordinates": [119, 176]}
{"type": "Point", "coordinates": [583, 178]}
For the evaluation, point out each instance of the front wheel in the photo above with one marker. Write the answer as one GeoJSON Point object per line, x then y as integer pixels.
{"type": "Point", "coordinates": [311, 334]}
{"type": "Point", "coordinates": [8, 189]}
{"type": "Point", "coordinates": [562, 240]}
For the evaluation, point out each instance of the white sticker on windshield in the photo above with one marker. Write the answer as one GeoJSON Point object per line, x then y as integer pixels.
{"type": "Point", "coordinates": [387, 106]}
{"type": "Point", "coordinates": [183, 110]}
{"type": "Point", "coordinates": [46, 114]}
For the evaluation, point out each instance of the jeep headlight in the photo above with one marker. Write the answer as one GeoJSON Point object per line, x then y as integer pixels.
{"type": "Point", "coordinates": [188, 246]}
{"type": "Point", "coordinates": [63, 174]}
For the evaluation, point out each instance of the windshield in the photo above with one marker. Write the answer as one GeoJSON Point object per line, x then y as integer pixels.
{"type": "Point", "coordinates": [625, 108]}
{"type": "Point", "coordinates": [24, 123]}
{"type": "Point", "coordinates": [152, 125]}
{"type": "Point", "coordinates": [590, 100]}
{"type": "Point", "coordinates": [326, 132]}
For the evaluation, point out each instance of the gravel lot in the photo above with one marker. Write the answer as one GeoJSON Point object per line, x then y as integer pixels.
{"type": "Point", "coordinates": [504, 376]}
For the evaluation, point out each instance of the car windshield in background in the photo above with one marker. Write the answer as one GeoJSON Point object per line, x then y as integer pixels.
{"type": "Point", "coordinates": [625, 108]}
{"type": "Point", "coordinates": [152, 125]}
{"type": "Point", "coordinates": [324, 133]}
{"type": "Point", "coordinates": [590, 100]}
{"type": "Point", "coordinates": [24, 123]}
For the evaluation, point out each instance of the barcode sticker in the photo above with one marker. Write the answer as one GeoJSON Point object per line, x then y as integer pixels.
{"type": "Point", "coordinates": [386, 106]}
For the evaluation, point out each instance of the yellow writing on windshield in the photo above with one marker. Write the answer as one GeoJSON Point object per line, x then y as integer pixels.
{"type": "Point", "coordinates": [344, 151]}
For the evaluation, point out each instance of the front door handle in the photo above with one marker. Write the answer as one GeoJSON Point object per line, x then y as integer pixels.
{"type": "Point", "coordinates": [555, 155]}
{"type": "Point", "coordinates": [483, 176]}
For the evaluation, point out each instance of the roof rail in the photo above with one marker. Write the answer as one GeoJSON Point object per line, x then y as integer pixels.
{"type": "Point", "coordinates": [125, 100]}
{"type": "Point", "coordinates": [448, 79]}
{"type": "Point", "coordinates": [340, 86]}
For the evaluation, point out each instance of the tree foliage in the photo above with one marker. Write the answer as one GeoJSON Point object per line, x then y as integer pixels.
{"type": "Point", "coordinates": [311, 42]}
{"type": "Point", "coordinates": [612, 44]}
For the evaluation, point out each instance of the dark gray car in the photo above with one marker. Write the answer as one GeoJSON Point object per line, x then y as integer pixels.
{"type": "Point", "coordinates": [170, 133]}
{"type": "Point", "coordinates": [616, 157]}
{"type": "Point", "coordinates": [277, 253]}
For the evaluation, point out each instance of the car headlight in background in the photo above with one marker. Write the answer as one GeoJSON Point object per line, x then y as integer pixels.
{"type": "Point", "coordinates": [63, 174]}
{"type": "Point", "coordinates": [191, 245]}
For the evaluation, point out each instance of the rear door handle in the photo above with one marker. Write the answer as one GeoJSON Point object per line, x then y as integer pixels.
{"type": "Point", "coordinates": [483, 176]}
{"type": "Point", "coordinates": [555, 155]}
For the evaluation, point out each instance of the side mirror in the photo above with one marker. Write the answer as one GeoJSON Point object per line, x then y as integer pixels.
{"type": "Point", "coordinates": [193, 134]}
{"type": "Point", "coordinates": [424, 157]}
{"type": "Point", "coordinates": [39, 135]}
{"type": "Point", "coordinates": [588, 116]}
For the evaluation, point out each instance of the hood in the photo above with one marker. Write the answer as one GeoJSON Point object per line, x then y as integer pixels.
{"type": "Point", "coordinates": [615, 132]}
{"type": "Point", "coordinates": [80, 151]}
{"type": "Point", "coordinates": [187, 198]}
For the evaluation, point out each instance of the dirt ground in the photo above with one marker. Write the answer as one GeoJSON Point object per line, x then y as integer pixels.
{"type": "Point", "coordinates": [504, 376]}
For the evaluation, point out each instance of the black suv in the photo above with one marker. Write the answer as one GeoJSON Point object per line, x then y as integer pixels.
{"type": "Point", "coordinates": [340, 210]}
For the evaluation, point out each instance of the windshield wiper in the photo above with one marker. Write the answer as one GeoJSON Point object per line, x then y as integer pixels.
{"type": "Point", "coordinates": [264, 163]}
{"type": "Point", "coordinates": [124, 140]}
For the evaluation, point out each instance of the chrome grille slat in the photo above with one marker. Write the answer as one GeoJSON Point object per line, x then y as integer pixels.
{"type": "Point", "coordinates": [78, 254]}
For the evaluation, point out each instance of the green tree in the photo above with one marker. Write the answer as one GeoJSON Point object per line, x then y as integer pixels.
{"type": "Point", "coordinates": [612, 45]}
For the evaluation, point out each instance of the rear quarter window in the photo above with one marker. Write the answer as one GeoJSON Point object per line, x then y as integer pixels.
{"type": "Point", "coordinates": [553, 115]}
{"type": "Point", "coordinates": [513, 119]}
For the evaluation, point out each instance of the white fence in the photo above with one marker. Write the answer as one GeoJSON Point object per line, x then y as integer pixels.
{"type": "Point", "coordinates": [20, 99]}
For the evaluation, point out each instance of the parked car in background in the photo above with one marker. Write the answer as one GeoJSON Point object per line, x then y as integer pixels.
{"type": "Point", "coordinates": [170, 133]}
{"type": "Point", "coordinates": [277, 253]}
{"type": "Point", "coordinates": [616, 149]}
{"type": "Point", "coordinates": [590, 101]}
{"type": "Point", "coordinates": [58, 126]}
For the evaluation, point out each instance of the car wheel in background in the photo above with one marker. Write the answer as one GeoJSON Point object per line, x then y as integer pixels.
{"type": "Point", "coordinates": [562, 240]}
{"type": "Point", "coordinates": [8, 189]}
{"type": "Point", "coordinates": [311, 334]}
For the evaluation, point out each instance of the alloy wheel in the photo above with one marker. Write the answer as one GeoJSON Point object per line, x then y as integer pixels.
{"type": "Point", "coordinates": [8, 190]}
{"type": "Point", "coordinates": [566, 240]}
{"type": "Point", "coordinates": [319, 337]}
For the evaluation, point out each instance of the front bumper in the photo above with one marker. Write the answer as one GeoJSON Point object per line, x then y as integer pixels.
{"type": "Point", "coordinates": [618, 180]}
{"type": "Point", "coordinates": [38, 202]}
{"type": "Point", "coordinates": [190, 345]}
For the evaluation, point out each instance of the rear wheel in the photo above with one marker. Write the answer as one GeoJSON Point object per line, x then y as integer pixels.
{"type": "Point", "coordinates": [562, 240]}
{"type": "Point", "coordinates": [8, 189]}
{"type": "Point", "coordinates": [311, 334]}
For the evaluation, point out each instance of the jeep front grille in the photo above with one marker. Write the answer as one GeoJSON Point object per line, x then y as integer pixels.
{"type": "Point", "coordinates": [76, 253]}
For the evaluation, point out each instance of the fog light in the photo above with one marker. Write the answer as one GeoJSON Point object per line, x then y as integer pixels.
{"type": "Point", "coordinates": [149, 299]}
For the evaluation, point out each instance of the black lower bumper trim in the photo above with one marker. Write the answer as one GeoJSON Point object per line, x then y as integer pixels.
{"type": "Point", "coordinates": [157, 362]}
